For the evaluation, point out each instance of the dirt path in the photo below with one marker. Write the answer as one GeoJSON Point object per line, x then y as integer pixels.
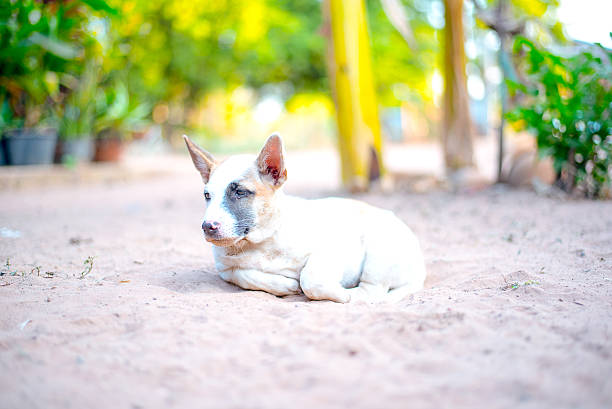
{"type": "Point", "coordinates": [517, 311]}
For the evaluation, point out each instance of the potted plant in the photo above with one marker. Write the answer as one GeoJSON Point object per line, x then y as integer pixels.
{"type": "Point", "coordinates": [76, 125]}
{"type": "Point", "coordinates": [32, 55]}
{"type": "Point", "coordinates": [29, 129]}
{"type": "Point", "coordinates": [117, 116]}
{"type": "Point", "coordinates": [42, 44]}
{"type": "Point", "coordinates": [29, 118]}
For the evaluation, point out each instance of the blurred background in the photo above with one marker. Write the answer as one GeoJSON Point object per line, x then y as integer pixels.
{"type": "Point", "coordinates": [482, 88]}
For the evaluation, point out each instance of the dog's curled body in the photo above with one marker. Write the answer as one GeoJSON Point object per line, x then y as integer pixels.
{"type": "Point", "coordinates": [331, 249]}
{"type": "Point", "coordinates": [336, 249]}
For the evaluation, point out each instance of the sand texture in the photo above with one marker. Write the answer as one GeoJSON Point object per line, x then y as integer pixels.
{"type": "Point", "coordinates": [516, 313]}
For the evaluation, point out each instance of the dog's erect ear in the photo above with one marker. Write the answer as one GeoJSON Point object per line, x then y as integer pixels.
{"type": "Point", "coordinates": [203, 161]}
{"type": "Point", "coordinates": [271, 162]}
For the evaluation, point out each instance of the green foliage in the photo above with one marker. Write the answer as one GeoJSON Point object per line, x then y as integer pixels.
{"type": "Point", "coordinates": [402, 73]}
{"type": "Point", "coordinates": [78, 112]}
{"type": "Point", "coordinates": [100, 66]}
{"type": "Point", "coordinates": [177, 52]}
{"type": "Point", "coordinates": [116, 111]}
{"type": "Point", "coordinates": [568, 107]}
{"type": "Point", "coordinates": [181, 50]}
{"type": "Point", "coordinates": [42, 51]}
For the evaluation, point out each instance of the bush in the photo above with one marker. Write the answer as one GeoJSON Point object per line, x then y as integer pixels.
{"type": "Point", "coordinates": [568, 106]}
{"type": "Point", "coordinates": [43, 48]}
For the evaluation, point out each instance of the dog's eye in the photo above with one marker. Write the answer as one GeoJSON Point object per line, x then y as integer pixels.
{"type": "Point", "coordinates": [242, 192]}
{"type": "Point", "coordinates": [206, 195]}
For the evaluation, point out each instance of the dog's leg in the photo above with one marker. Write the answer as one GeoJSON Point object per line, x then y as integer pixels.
{"type": "Point", "coordinates": [399, 293]}
{"type": "Point", "coordinates": [257, 280]}
{"type": "Point", "coordinates": [368, 292]}
{"type": "Point", "coordinates": [320, 280]}
{"type": "Point", "coordinates": [333, 292]}
{"type": "Point", "coordinates": [378, 293]}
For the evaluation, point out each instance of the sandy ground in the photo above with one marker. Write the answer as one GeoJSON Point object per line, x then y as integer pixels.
{"type": "Point", "coordinates": [517, 310]}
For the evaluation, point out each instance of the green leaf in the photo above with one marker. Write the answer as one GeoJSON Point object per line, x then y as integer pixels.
{"type": "Point", "coordinates": [101, 5]}
{"type": "Point", "coordinates": [54, 46]}
{"type": "Point", "coordinates": [514, 86]}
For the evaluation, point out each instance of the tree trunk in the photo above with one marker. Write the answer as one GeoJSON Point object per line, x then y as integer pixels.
{"type": "Point", "coordinates": [457, 126]}
{"type": "Point", "coordinates": [352, 84]}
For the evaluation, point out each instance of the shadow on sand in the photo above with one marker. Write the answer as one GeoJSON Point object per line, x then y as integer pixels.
{"type": "Point", "coordinates": [196, 281]}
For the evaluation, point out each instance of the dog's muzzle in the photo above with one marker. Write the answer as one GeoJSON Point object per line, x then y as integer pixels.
{"type": "Point", "coordinates": [211, 228]}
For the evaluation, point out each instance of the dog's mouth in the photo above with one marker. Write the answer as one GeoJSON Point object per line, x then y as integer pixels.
{"type": "Point", "coordinates": [224, 242]}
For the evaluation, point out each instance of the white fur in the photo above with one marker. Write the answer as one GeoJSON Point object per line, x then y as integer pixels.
{"type": "Point", "coordinates": [231, 170]}
{"type": "Point", "coordinates": [332, 249]}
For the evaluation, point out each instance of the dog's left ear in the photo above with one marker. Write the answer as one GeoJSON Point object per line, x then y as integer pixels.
{"type": "Point", "coordinates": [271, 162]}
{"type": "Point", "coordinates": [202, 160]}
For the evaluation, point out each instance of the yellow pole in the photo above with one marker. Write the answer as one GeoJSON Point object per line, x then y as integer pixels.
{"type": "Point", "coordinates": [352, 83]}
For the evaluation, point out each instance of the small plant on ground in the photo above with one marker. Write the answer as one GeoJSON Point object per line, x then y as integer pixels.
{"type": "Point", "coordinates": [515, 285]}
{"type": "Point", "coordinates": [88, 266]}
{"type": "Point", "coordinates": [10, 270]}
{"type": "Point", "coordinates": [7, 269]}
{"type": "Point", "coordinates": [568, 107]}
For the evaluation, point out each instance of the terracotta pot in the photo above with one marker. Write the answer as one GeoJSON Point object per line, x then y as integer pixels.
{"type": "Point", "coordinates": [108, 150]}
{"type": "Point", "coordinates": [137, 135]}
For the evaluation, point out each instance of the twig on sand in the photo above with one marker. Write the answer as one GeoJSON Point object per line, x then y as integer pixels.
{"type": "Point", "coordinates": [88, 266]}
{"type": "Point", "coordinates": [23, 324]}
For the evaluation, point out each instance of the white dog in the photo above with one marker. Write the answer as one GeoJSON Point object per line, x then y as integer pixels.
{"type": "Point", "coordinates": [332, 249]}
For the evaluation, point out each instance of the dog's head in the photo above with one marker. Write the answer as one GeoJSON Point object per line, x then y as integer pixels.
{"type": "Point", "coordinates": [239, 192]}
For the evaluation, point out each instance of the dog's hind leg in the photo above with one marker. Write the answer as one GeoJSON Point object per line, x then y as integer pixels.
{"type": "Point", "coordinates": [320, 279]}
{"type": "Point", "coordinates": [368, 292]}
{"type": "Point", "coordinates": [335, 293]}
{"type": "Point", "coordinates": [378, 293]}
{"type": "Point", "coordinates": [399, 293]}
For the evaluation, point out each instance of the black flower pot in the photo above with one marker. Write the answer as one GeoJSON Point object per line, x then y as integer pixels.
{"type": "Point", "coordinates": [29, 146]}
{"type": "Point", "coordinates": [2, 160]}
{"type": "Point", "coordinates": [77, 150]}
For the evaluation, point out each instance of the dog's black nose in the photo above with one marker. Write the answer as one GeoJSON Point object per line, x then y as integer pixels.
{"type": "Point", "coordinates": [210, 227]}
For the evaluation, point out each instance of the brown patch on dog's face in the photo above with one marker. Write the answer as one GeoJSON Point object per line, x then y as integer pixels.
{"type": "Point", "coordinates": [270, 175]}
{"type": "Point", "coordinates": [224, 242]}
{"type": "Point", "coordinates": [263, 192]}
{"type": "Point", "coordinates": [262, 202]}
